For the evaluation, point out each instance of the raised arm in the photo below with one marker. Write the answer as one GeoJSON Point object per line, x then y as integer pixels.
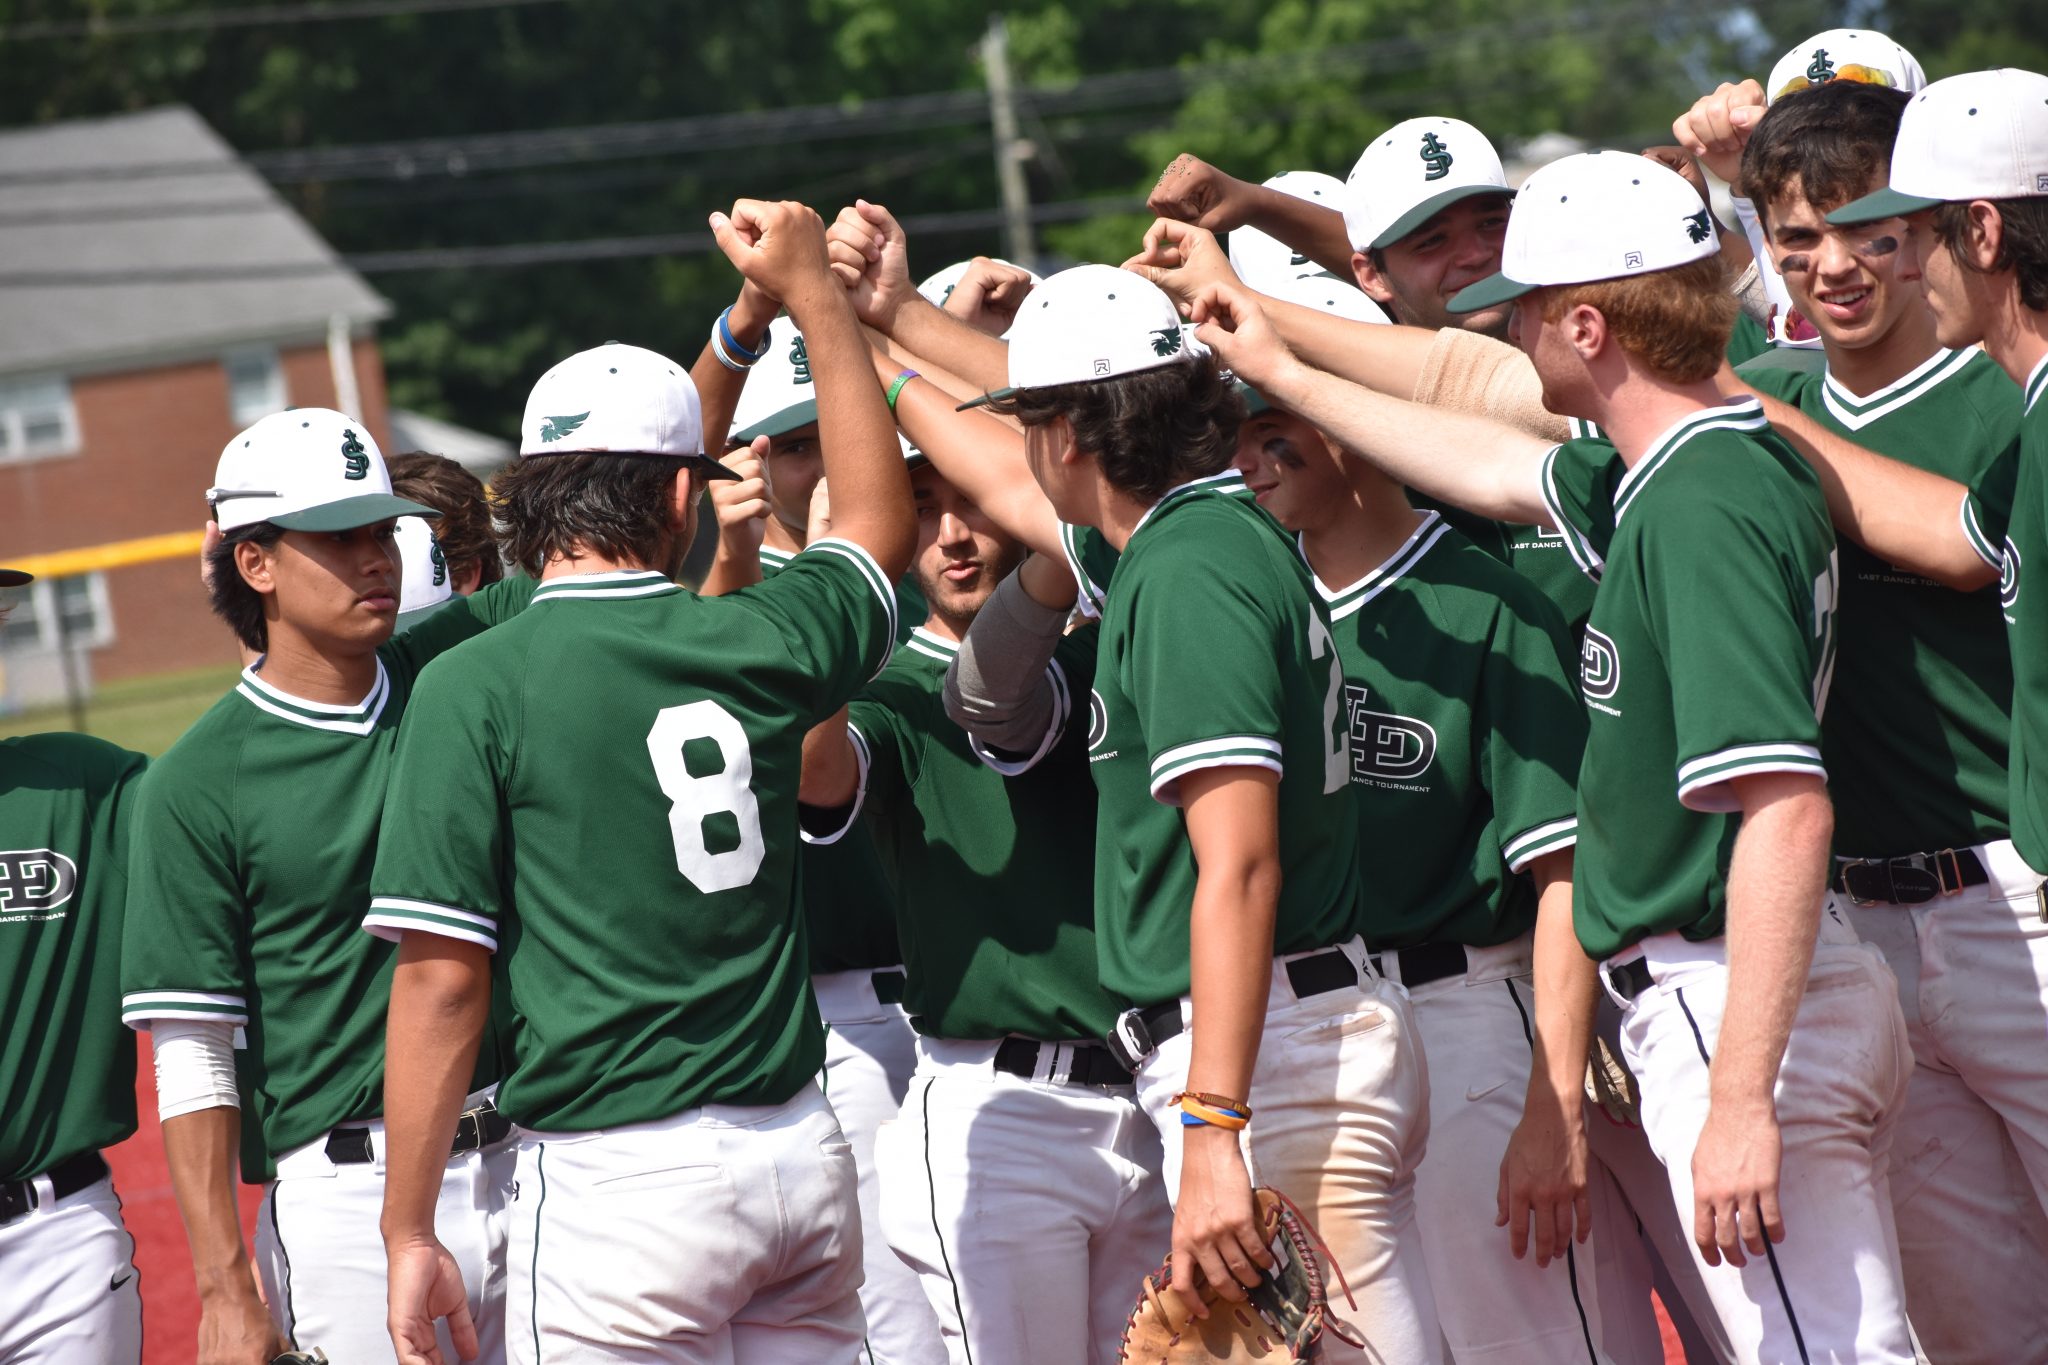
{"type": "Point", "coordinates": [1471, 462]}
{"type": "Point", "coordinates": [719, 384]}
{"type": "Point", "coordinates": [1899, 513]}
{"type": "Point", "coordinates": [871, 257]}
{"type": "Point", "coordinates": [1195, 192]}
{"type": "Point", "coordinates": [782, 248]}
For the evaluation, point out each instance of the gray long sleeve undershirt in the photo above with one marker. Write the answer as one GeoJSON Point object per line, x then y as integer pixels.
{"type": "Point", "coordinates": [996, 688]}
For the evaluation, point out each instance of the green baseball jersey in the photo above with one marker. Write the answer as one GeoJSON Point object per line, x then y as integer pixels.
{"type": "Point", "coordinates": [849, 902]}
{"type": "Point", "coordinates": [1537, 553]}
{"type": "Point", "coordinates": [67, 1067]}
{"type": "Point", "coordinates": [1215, 652]}
{"type": "Point", "coordinates": [1093, 559]}
{"type": "Point", "coordinates": [1466, 731]}
{"type": "Point", "coordinates": [254, 839]}
{"type": "Point", "coordinates": [2005, 517]}
{"type": "Point", "coordinates": [1707, 658]}
{"type": "Point", "coordinates": [1920, 720]}
{"type": "Point", "coordinates": [1747, 340]}
{"type": "Point", "coordinates": [632, 754]}
{"type": "Point", "coordinates": [991, 851]}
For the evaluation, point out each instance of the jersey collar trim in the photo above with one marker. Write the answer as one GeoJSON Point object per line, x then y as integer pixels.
{"type": "Point", "coordinates": [938, 647]}
{"type": "Point", "coordinates": [1743, 415]}
{"type": "Point", "coordinates": [1856, 412]}
{"type": "Point", "coordinates": [358, 718]}
{"type": "Point", "coordinates": [772, 558]}
{"type": "Point", "coordinates": [616, 584]}
{"type": "Point", "coordinates": [2037, 383]}
{"type": "Point", "coordinates": [1229, 481]}
{"type": "Point", "coordinates": [1347, 600]}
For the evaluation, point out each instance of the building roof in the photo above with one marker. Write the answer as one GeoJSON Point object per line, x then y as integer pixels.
{"type": "Point", "coordinates": [142, 237]}
{"type": "Point", "coordinates": [481, 454]}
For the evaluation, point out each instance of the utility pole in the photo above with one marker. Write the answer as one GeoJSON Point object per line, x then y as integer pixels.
{"type": "Point", "coordinates": [1011, 149]}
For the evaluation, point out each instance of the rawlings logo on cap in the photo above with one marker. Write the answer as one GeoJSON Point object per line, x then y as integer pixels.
{"type": "Point", "coordinates": [555, 428]}
{"type": "Point", "coordinates": [1435, 156]}
{"type": "Point", "coordinates": [1698, 228]}
{"type": "Point", "coordinates": [799, 361]}
{"type": "Point", "coordinates": [354, 456]}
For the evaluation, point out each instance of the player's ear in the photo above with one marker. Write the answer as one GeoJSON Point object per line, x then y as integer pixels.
{"type": "Point", "coordinates": [257, 564]}
{"type": "Point", "coordinates": [1985, 235]}
{"type": "Point", "coordinates": [680, 502]}
{"type": "Point", "coordinates": [1370, 279]}
{"type": "Point", "coordinates": [1585, 329]}
{"type": "Point", "coordinates": [1065, 449]}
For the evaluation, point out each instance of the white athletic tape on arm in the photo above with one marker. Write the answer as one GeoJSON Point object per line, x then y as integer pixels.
{"type": "Point", "coordinates": [195, 1066]}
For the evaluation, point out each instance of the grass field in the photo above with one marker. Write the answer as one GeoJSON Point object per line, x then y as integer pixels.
{"type": "Point", "coordinates": [146, 714]}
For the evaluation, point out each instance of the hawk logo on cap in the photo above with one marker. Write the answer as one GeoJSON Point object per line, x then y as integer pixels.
{"type": "Point", "coordinates": [1166, 341]}
{"type": "Point", "coordinates": [440, 561]}
{"type": "Point", "coordinates": [800, 361]}
{"type": "Point", "coordinates": [1697, 226]}
{"type": "Point", "coordinates": [354, 456]}
{"type": "Point", "coordinates": [555, 428]}
{"type": "Point", "coordinates": [1820, 71]}
{"type": "Point", "coordinates": [1435, 156]}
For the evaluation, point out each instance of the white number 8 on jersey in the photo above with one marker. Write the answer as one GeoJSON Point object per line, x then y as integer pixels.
{"type": "Point", "coordinates": [693, 799]}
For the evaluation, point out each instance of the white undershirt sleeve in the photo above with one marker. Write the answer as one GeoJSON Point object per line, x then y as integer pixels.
{"type": "Point", "coordinates": [195, 1066]}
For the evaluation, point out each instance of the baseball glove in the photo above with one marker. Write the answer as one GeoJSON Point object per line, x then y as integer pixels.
{"type": "Point", "coordinates": [1281, 1323]}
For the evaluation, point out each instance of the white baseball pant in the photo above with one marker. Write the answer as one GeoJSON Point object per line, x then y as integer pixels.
{"type": "Point", "coordinates": [724, 1235]}
{"type": "Point", "coordinates": [321, 1257]}
{"type": "Point", "coordinates": [1831, 1292]}
{"type": "Point", "coordinates": [70, 1294]}
{"type": "Point", "coordinates": [1340, 1097]}
{"type": "Point", "coordinates": [1476, 1031]}
{"type": "Point", "coordinates": [870, 1051]}
{"type": "Point", "coordinates": [1969, 1170]}
{"type": "Point", "coordinates": [1029, 1209]}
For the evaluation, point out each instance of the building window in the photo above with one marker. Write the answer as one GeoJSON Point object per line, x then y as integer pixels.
{"type": "Point", "coordinates": [255, 384]}
{"type": "Point", "coordinates": [78, 602]}
{"type": "Point", "coordinates": [36, 418]}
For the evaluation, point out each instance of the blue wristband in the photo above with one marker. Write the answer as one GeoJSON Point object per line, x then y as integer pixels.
{"type": "Point", "coordinates": [725, 334]}
{"type": "Point", "coordinates": [1188, 1120]}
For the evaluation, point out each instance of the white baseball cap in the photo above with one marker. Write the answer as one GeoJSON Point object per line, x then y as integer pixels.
{"type": "Point", "coordinates": [780, 395]}
{"type": "Point", "coordinates": [1412, 172]}
{"type": "Point", "coordinates": [913, 458]}
{"type": "Point", "coordinates": [1983, 135]}
{"type": "Point", "coordinates": [1595, 216]}
{"type": "Point", "coordinates": [423, 584]}
{"type": "Point", "coordinates": [1093, 322]}
{"type": "Point", "coordinates": [1845, 54]}
{"type": "Point", "coordinates": [1270, 266]}
{"type": "Point", "coordinates": [305, 469]}
{"type": "Point", "coordinates": [616, 400]}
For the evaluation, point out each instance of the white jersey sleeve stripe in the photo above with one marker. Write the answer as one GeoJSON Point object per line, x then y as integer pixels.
{"type": "Point", "coordinates": [1229, 743]}
{"type": "Point", "coordinates": [391, 917]}
{"type": "Point", "coordinates": [1702, 782]}
{"type": "Point", "coordinates": [877, 581]}
{"type": "Point", "coordinates": [1530, 845]}
{"type": "Point", "coordinates": [860, 792]}
{"type": "Point", "coordinates": [139, 1007]}
{"type": "Point", "coordinates": [1974, 533]}
{"type": "Point", "coordinates": [1250, 751]}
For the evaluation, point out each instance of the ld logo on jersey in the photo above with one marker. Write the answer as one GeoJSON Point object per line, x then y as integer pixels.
{"type": "Point", "coordinates": [35, 881]}
{"type": "Point", "coordinates": [2009, 576]}
{"type": "Point", "coordinates": [1386, 747]}
{"type": "Point", "coordinates": [1599, 667]}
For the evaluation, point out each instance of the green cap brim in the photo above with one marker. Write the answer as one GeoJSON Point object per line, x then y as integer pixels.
{"type": "Point", "coordinates": [997, 396]}
{"type": "Point", "coordinates": [781, 423]}
{"type": "Point", "coordinates": [1490, 292]}
{"type": "Point", "coordinates": [1254, 401]}
{"type": "Point", "coordinates": [349, 513]}
{"type": "Point", "coordinates": [1430, 208]}
{"type": "Point", "coordinates": [15, 578]}
{"type": "Point", "coordinates": [1880, 204]}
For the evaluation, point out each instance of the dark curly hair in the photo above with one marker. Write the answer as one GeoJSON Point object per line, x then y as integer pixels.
{"type": "Point", "coordinates": [230, 595]}
{"type": "Point", "coordinates": [1150, 431]}
{"type": "Point", "coordinates": [1834, 139]}
{"type": "Point", "coordinates": [616, 505]}
{"type": "Point", "coordinates": [464, 529]}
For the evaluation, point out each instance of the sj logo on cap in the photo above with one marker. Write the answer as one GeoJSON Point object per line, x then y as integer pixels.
{"type": "Point", "coordinates": [555, 428]}
{"type": "Point", "coordinates": [1435, 156]}
{"type": "Point", "coordinates": [800, 361]}
{"type": "Point", "coordinates": [440, 562]}
{"type": "Point", "coordinates": [354, 456]}
{"type": "Point", "coordinates": [1821, 70]}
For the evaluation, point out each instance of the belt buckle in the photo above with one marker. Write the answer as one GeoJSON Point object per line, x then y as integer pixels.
{"type": "Point", "coordinates": [1948, 868]}
{"type": "Point", "coordinates": [1129, 1041]}
{"type": "Point", "coordinates": [470, 1128]}
{"type": "Point", "coordinates": [1849, 865]}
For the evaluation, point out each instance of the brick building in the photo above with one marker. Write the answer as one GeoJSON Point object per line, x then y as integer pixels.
{"type": "Point", "coordinates": [156, 296]}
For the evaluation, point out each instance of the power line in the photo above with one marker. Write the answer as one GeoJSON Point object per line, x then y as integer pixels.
{"type": "Point", "coordinates": [254, 16]}
{"type": "Point", "coordinates": [477, 153]}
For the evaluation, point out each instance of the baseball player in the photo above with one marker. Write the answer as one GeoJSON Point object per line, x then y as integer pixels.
{"type": "Point", "coordinates": [463, 532]}
{"type": "Point", "coordinates": [1465, 738]}
{"type": "Point", "coordinates": [999, 936]}
{"type": "Point", "coordinates": [254, 838]}
{"type": "Point", "coordinates": [1227, 884]}
{"type": "Point", "coordinates": [684, 1192]}
{"type": "Point", "coordinates": [850, 907]}
{"type": "Point", "coordinates": [67, 1069]}
{"type": "Point", "coordinates": [1968, 203]}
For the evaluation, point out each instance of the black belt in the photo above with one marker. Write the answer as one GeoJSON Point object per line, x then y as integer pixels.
{"type": "Point", "coordinates": [1139, 1032]}
{"type": "Point", "coordinates": [889, 985]}
{"type": "Point", "coordinates": [1630, 979]}
{"type": "Point", "coordinates": [1091, 1063]}
{"type": "Point", "coordinates": [1910, 878]}
{"type": "Point", "coordinates": [1424, 964]}
{"type": "Point", "coordinates": [480, 1127]}
{"type": "Point", "coordinates": [69, 1176]}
